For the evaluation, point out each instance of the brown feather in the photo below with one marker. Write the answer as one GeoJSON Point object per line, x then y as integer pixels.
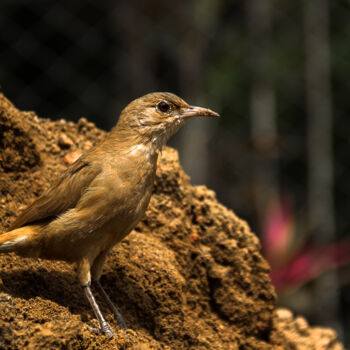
{"type": "Point", "coordinates": [63, 195]}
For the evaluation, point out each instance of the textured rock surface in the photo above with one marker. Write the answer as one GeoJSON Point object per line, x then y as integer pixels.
{"type": "Point", "coordinates": [190, 276]}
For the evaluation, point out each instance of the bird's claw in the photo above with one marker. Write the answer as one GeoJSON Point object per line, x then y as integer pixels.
{"type": "Point", "coordinates": [106, 329]}
{"type": "Point", "coordinates": [94, 330]}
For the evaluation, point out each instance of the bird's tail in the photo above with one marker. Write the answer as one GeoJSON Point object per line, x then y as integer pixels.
{"type": "Point", "coordinates": [18, 239]}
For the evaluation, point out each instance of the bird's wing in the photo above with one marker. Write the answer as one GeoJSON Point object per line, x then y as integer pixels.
{"type": "Point", "coordinates": [63, 195]}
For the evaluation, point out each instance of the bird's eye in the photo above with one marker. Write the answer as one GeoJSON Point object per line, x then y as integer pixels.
{"type": "Point", "coordinates": [163, 106]}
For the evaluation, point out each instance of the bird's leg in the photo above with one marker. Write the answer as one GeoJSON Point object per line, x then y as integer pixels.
{"type": "Point", "coordinates": [113, 308]}
{"type": "Point", "coordinates": [96, 272]}
{"type": "Point", "coordinates": [103, 324]}
{"type": "Point", "coordinates": [84, 277]}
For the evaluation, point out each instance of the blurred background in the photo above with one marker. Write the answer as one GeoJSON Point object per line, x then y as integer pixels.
{"type": "Point", "coordinates": [278, 72]}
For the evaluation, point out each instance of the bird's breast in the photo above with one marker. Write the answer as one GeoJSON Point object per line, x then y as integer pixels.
{"type": "Point", "coordinates": [130, 190]}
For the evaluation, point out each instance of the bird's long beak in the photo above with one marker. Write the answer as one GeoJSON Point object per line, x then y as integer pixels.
{"type": "Point", "coordinates": [194, 111]}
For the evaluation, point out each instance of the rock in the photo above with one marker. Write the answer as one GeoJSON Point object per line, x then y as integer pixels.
{"type": "Point", "coordinates": [87, 145]}
{"type": "Point", "coordinates": [18, 151]}
{"type": "Point", "coordinates": [72, 157]}
{"type": "Point", "coordinates": [190, 276]}
{"type": "Point", "coordinates": [64, 141]}
{"type": "Point", "coordinates": [296, 334]}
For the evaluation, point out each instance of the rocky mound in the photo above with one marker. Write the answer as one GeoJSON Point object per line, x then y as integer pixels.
{"type": "Point", "coordinates": [190, 276]}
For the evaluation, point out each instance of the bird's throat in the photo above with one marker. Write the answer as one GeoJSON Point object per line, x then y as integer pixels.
{"type": "Point", "coordinates": [149, 149]}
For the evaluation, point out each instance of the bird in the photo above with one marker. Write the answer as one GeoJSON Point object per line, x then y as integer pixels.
{"type": "Point", "coordinates": [102, 196]}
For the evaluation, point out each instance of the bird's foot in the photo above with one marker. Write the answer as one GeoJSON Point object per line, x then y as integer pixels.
{"type": "Point", "coordinates": [95, 330]}
{"type": "Point", "coordinates": [105, 329]}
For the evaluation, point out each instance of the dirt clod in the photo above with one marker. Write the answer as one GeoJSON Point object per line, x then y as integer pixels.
{"type": "Point", "coordinates": [64, 141]}
{"type": "Point", "coordinates": [190, 276]}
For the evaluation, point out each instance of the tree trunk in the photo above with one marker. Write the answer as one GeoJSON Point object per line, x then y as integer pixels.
{"type": "Point", "coordinates": [197, 19]}
{"type": "Point", "coordinates": [262, 109]}
{"type": "Point", "coordinates": [320, 155]}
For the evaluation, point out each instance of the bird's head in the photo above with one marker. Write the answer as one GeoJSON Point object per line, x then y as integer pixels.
{"type": "Point", "coordinates": [159, 115]}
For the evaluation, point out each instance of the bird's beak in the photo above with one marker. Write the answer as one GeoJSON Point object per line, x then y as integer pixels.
{"type": "Point", "coordinates": [194, 111]}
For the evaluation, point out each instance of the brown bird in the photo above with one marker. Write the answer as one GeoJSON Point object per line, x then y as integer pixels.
{"type": "Point", "coordinates": [102, 196]}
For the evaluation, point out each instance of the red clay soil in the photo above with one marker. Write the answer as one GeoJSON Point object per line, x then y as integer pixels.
{"type": "Point", "coordinates": [190, 276]}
